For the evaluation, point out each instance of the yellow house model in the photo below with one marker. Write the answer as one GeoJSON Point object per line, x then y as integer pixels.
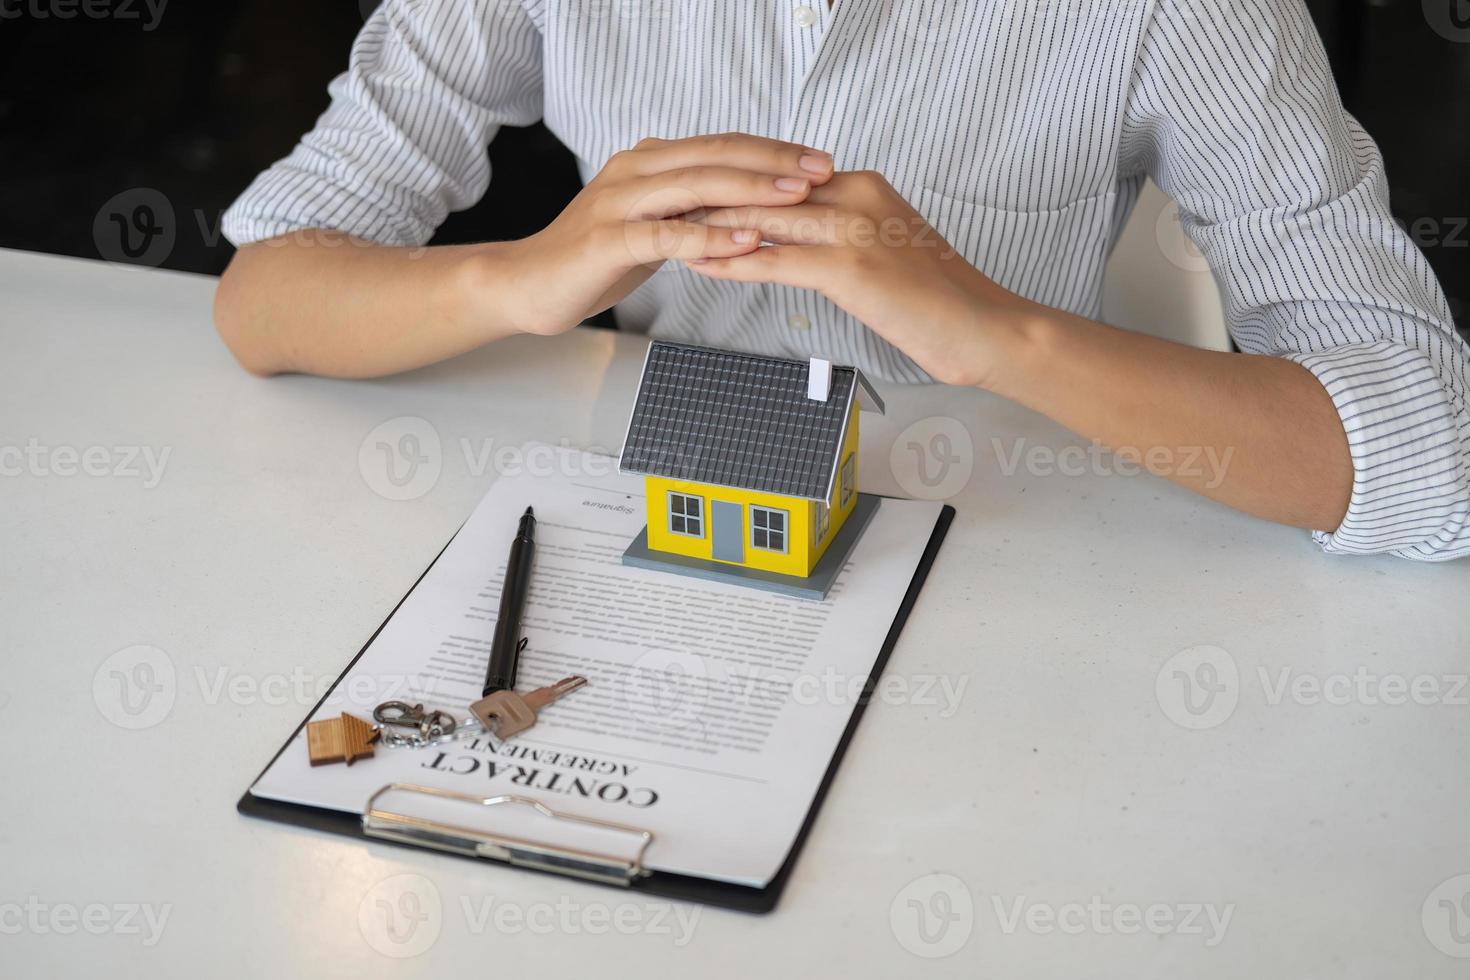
{"type": "Point", "coordinates": [749, 466]}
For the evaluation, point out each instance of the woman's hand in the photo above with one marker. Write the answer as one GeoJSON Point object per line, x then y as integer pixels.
{"type": "Point", "coordinates": [640, 211]}
{"type": "Point", "coordinates": [856, 241]}
{"type": "Point", "coordinates": [322, 302]}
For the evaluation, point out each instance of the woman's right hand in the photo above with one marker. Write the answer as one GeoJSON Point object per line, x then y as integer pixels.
{"type": "Point", "coordinates": [642, 210]}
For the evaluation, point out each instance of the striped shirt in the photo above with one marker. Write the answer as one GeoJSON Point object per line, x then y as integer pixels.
{"type": "Point", "coordinates": [1022, 129]}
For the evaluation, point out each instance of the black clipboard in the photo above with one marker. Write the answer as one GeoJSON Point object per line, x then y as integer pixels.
{"type": "Point", "coordinates": [740, 898]}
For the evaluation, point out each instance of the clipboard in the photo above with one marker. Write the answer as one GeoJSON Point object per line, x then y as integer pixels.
{"type": "Point", "coordinates": [391, 824]}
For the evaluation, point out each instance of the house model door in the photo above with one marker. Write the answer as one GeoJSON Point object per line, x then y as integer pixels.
{"type": "Point", "coordinates": [729, 530]}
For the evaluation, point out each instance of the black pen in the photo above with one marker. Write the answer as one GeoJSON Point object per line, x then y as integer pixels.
{"type": "Point", "coordinates": [505, 648]}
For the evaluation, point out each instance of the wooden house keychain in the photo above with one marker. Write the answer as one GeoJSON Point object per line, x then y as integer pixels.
{"type": "Point", "coordinates": [348, 738]}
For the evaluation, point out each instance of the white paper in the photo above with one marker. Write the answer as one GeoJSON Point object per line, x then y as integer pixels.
{"type": "Point", "coordinates": [711, 711]}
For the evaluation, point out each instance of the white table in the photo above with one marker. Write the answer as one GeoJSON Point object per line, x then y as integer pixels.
{"type": "Point", "coordinates": [262, 558]}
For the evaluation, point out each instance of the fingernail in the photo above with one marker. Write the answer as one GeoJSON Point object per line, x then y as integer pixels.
{"type": "Point", "coordinates": [817, 163]}
{"type": "Point", "coordinates": [791, 184]}
{"type": "Point", "coordinates": [743, 237]}
{"type": "Point", "coordinates": [697, 261]}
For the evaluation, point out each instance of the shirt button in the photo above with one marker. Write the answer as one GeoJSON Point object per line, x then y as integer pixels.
{"type": "Point", "coordinates": [806, 16]}
{"type": "Point", "coordinates": [798, 322]}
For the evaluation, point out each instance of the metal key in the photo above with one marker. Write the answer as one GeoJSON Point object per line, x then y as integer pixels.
{"type": "Point", "coordinates": [507, 713]}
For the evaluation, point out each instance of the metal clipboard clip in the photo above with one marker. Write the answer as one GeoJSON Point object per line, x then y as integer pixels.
{"type": "Point", "coordinates": [519, 851]}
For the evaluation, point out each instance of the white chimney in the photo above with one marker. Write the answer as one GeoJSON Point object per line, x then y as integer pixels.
{"type": "Point", "coordinates": [819, 380]}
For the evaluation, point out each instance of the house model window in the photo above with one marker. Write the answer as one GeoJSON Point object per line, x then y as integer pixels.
{"type": "Point", "coordinates": [768, 529]}
{"type": "Point", "coordinates": [748, 469]}
{"type": "Point", "coordinates": [686, 514]}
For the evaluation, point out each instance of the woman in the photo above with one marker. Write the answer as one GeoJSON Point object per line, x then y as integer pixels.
{"type": "Point", "coordinates": [926, 189]}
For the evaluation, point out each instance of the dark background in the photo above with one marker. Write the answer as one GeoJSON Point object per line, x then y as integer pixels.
{"type": "Point", "coordinates": [196, 101]}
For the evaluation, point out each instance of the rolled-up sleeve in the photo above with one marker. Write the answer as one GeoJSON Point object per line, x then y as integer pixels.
{"type": "Point", "coordinates": [404, 140]}
{"type": "Point", "coordinates": [1234, 113]}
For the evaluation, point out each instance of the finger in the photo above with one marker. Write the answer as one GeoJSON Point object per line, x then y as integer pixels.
{"type": "Point", "coordinates": [740, 150]}
{"type": "Point", "coordinates": [651, 242]}
{"type": "Point", "coordinates": [691, 189]}
{"type": "Point", "coordinates": [782, 265]}
{"type": "Point", "coordinates": [801, 224]}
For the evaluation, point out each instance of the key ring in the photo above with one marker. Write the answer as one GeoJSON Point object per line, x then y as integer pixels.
{"type": "Point", "coordinates": [424, 728]}
{"type": "Point", "coordinates": [401, 714]}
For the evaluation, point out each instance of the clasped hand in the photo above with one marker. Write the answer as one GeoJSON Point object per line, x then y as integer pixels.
{"type": "Point", "coordinates": [749, 209]}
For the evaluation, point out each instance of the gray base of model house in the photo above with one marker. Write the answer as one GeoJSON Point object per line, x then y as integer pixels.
{"type": "Point", "coordinates": [813, 586]}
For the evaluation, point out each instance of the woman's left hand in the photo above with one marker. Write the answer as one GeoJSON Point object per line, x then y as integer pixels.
{"type": "Point", "coordinates": [856, 241]}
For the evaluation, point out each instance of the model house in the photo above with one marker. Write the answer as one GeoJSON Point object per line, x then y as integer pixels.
{"type": "Point", "coordinates": [749, 464]}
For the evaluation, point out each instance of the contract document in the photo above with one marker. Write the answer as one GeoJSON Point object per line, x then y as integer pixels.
{"type": "Point", "coordinates": [712, 711]}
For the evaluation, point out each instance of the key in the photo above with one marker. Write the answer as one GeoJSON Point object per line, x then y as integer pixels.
{"type": "Point", "coordinates": [507, 714]}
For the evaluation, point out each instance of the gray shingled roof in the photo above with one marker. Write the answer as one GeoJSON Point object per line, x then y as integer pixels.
{"type": "Point", "coordinates": [737, 420]}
